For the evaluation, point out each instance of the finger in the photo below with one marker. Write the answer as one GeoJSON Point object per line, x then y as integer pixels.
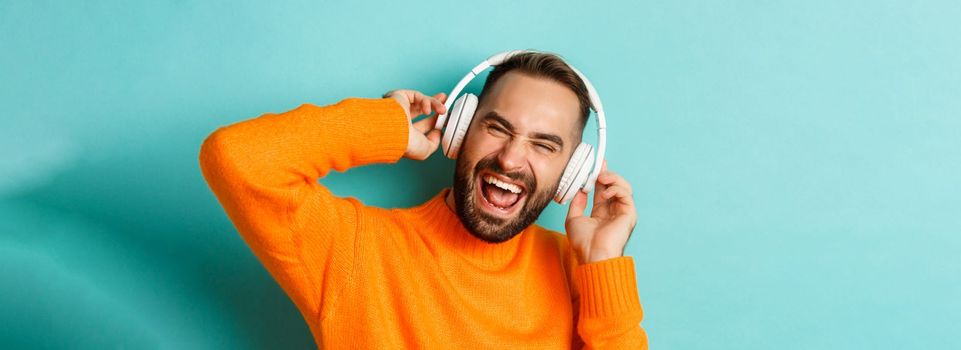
{"type": "Point", "coordinates": [610, 178]}
{"type": "Point", "coordinates": [622, 198]}
{"type": "Point", "coordinates": [416, 103]}
{"type": "Point", "coordinates": [598, 189]}
{"type": "Point", "coordinates": [424, 145]}
{"type": "Point", "coordinates": [438, 104]}
{"type": "Point", "coordinates": [426, 124]}
{"type": "Point", "coordinates": [425, 105]}
{"type": "Point", "coordinates": [602, 172]}
{"type": "Point", "coordinates": [433, 140]}
{"type": "Point", "coordinates": [607, 177]}
{"type": "Point", "coordinates": [616, 192]}
{"type": "Point", "coordinates": [442, 97]}
{"type": "Point", "coordinates": [410, 95]}
{"type": "Point", "coordinates": [578, 204]}
{"type": "Point", "coordinates": [604, 180]}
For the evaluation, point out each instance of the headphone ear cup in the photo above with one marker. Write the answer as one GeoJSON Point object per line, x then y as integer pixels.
{"type": "Point", "coordinates": [462, 112]}
{"type": "Point", "coordinates": [575, 174]}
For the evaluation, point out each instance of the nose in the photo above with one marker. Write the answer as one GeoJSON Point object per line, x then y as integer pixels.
{"type": "Point", "coordinates": [513, 156]}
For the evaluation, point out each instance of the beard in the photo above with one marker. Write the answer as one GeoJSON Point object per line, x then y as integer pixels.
{"type": "Point", "coordinates": [485, 226]}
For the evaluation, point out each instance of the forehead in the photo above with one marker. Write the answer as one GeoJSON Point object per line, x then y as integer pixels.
{"type": "Point", "coordinates": [533, 104]}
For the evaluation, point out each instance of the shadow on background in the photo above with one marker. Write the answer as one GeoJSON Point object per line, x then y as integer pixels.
{"type": "Point", "coordinates": [135, 250]}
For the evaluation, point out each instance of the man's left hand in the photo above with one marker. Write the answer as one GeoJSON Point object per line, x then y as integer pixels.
{"type": "Point", "coordinates": [604, 233]}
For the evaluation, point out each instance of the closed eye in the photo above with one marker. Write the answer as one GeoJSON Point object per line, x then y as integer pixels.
{"type": "Point", "coordinates": [496, 129]}
{"type": "Point", "coordinates": [545, 147]}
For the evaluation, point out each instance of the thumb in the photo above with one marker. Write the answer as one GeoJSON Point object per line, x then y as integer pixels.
{"type": "Point", "coordinates": [420, 146]}
{"type": "Point", "coordinates": [578, 204]}
{"type": "Point", "coordinates": [433, 138]}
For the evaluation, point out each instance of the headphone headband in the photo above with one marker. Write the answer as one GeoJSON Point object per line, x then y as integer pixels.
{"type": "Point", "coordinates": [596, 105]}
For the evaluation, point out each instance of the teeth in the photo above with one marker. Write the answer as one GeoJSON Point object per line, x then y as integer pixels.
{"type": "Point", "coordinates": [503, 185]}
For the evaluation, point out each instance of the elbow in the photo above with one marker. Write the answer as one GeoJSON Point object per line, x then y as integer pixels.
{"type": "Point", "coordinates": [215, 155]}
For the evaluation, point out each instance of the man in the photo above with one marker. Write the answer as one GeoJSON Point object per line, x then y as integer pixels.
{"type": "Point", "coordinates": [466, 269]}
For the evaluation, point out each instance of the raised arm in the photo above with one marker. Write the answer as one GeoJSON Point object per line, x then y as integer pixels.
{"type": "Point", "coordinates": [264, 172]}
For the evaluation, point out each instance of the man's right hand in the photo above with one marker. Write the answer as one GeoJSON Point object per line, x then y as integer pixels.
{"type": "Point", "coordinates": [422, 138]}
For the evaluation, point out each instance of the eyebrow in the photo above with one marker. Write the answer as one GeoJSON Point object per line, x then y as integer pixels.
{"type": "Point", "coordinates": [493, 116]}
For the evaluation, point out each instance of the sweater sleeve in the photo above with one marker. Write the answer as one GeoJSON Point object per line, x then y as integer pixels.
{"type": "Point", "coordinates": [264, 172]}
{"type": "Point", "coordinates": [609, 311]}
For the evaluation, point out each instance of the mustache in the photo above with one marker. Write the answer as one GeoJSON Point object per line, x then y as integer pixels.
{"type": "Point", "coordinates": [491, 164]}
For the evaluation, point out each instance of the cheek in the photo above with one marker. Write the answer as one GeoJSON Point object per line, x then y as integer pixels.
{"type": "Point", "coordinates": [479, 145]}
{"type": "Point", "coordinates": [548, 172]}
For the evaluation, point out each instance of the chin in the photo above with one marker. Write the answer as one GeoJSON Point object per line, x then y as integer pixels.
{"type": "Point", "coordinates": [493, 206]}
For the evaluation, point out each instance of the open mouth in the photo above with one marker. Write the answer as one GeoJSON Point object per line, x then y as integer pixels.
{"type": "Point", "coordinates": [499, 194]}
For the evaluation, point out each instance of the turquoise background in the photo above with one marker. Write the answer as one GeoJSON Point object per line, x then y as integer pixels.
{"type": "Point", "coordinates": [796, 164]}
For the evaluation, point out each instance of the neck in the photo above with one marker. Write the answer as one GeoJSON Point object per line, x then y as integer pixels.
{"type": "Point", "coordinates": [449, 199]}
{"type": "Point", "coordinates": [444, 227]}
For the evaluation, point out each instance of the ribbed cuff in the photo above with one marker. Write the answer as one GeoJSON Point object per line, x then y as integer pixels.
{"type": "Point", "coordinates": [607, 287]}
{"type": "Point", "coordinates": [385, 132]}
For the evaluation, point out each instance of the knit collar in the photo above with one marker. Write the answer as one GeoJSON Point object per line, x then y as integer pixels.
{"type": "Point", "coordinates": [442, 226]}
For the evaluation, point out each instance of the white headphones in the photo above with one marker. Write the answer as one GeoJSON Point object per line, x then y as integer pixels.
{"type": "Point", "coordinates": [577, 175]}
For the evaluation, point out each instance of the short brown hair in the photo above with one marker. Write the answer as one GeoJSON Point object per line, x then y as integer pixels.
{"type": "Point", "coordinates": [543, 65]}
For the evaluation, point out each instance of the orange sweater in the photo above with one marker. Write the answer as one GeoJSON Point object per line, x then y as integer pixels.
{"type": "Point", "coordinates": [374, 278]}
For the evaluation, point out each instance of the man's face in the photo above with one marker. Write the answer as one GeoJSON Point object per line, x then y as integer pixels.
{"type": "Point", "coordinates": [515, 151]}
